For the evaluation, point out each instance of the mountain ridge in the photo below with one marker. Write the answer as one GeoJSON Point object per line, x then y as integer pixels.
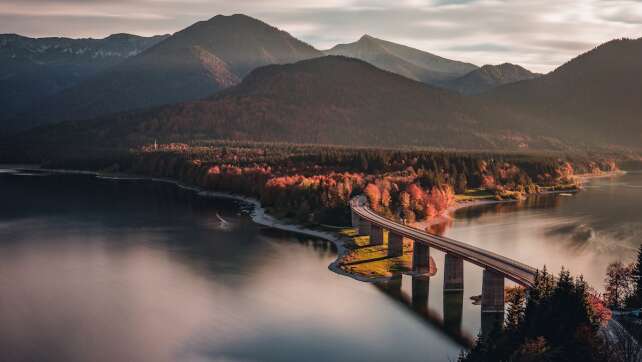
{"type": "Point", "coordinates": [32, 69]}
{"type": "Point", "coordinates": [193, 63]}
{"type": "Point", "coordinates": [594, 96]}
{"type": "Point", "coordinates": [489, 77]}
{"type": "Point", "coordinates": [332, 99]}
{"type": "Point", "coordinates": [407, 61]}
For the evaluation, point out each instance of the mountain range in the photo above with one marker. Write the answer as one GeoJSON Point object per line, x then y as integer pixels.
{"type": "Point", "coordinates": [235, 77]}
{"type": "Point", "coordinates": [327, 100]}
{"type": "Point", "coordinates": [33, 69]}
{"type": "Point", "coordinates": [192, 63]}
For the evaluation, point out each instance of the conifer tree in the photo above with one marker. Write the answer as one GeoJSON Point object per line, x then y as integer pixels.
{"type": "Point", "coordinates": [516, 310]}
{"type": "Point", "coordinates": [636, 274]}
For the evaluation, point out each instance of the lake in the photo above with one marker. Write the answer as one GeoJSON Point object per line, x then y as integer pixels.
{"type": "Point", "coordinates": [131, 270]}
{"type": "Point", "coordinates": [102, 270]}
{"type": "Point", "coordinates": [583, 233]}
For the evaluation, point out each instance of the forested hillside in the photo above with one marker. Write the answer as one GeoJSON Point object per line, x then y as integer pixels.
{"type": "Point", "coordinates": [594, 98]}
{"type": "Point", "coordinates": [329, 100]}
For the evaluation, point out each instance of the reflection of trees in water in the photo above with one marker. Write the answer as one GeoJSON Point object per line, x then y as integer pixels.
{"type": "Point", "coordinates": [532, 202]}
{"type": "Point", "coordinates": [440, 228]}
{"type": "Point", "coordinates": [323, 247]}
{"type": "Point", "coordinates": [475, 212]}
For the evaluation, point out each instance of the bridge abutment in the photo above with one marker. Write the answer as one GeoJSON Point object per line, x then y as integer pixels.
{"type": "Point", "coordinates": [492, 292]}
{"type": "Point", "coordinates": [395, 244]}
{"type": "Point", "coordinates": [453, 273]}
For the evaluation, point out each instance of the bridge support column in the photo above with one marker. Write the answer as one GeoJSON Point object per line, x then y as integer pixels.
{"type": "Point", "coordinates": [394, 286]}
{"type": "Point", "coordinates": [420, 289]}
{"type": "Point", "coordinates": [453, 273]}
{"type": "Point", "coordinates": [453, 309]}
{"type": "Point", "coordinates": [492, 292]}
{"type": "Point", "coordinates": [395, 244]}
{"type": "Point", "coordinates": [364, 227]}
{"type": "Point", "coordinates": [354, 218]}
{"type": "Point", "coordinates": [420, 257]}
{"type": "Point", "coordinates": [491, 322]}
{"type": "Point", "coordinates": [376, 235]}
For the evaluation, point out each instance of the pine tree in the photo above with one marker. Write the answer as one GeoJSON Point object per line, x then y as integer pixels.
{"type": "Point", "coordinates": [636, 274]}
{"type": "Point", "coordinates": [516, 310]}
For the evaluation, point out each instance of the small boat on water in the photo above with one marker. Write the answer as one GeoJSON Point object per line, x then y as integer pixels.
{"type": "Point", "coordinates": [566, 194]}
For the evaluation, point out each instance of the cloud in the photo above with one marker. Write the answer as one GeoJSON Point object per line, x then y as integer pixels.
{"type": "Point", "coordinates": [538, 34]}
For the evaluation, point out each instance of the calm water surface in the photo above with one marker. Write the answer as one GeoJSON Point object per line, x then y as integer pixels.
{"type": "Point", "coordinates": [583, 233]}
{"type": "Point", "coordinates": [102, 270]}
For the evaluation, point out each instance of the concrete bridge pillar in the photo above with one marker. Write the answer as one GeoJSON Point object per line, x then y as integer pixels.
{"type": "Point", "coordinates": [354, 218]}
{"type": "Point", "coordinates": [376, 235]}
{"type": "Point", "coordinates": [420, 257]}
{"type": "Point", "coordinates": [420, 290]}
{"type": "Point", "coordinates": [364, 227]}
{"type": "Point", "coordinates": [453, 273]}
{"type": "Point", "coordinates": [453, 310]}
{"type": "Point", "coordinates": [394, 286]}
{"type": "Point", "coordinates": [492, 292]}
{"type": "Point", "coordinates": [491, 321]}
{"type": "Point", "coordinates": [395, 244]}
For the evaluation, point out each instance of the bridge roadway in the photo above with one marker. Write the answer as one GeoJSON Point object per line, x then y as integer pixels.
{"type": "Point", "coordinates": [511, 269]}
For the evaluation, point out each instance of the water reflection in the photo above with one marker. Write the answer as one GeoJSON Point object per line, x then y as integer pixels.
{"type": "Point", "coordinates": [103, 270]}
{"type": "Point", "coordinates": [531, 203]}
{"type": "Point", "coordinates": [584, 232]}
{"type": "Point", "coordinates": [134, 271]}
{"type": "Point", "coordinates": [418, 304]}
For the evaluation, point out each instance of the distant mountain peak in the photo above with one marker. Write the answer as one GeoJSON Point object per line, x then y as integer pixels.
{"type": "Point", "coordinates": [488, 77]}
{"type": "Point", "coordinates": [195, 62]}
{"type": "Point", "coordinates": [232, 16]}
{"type": "Point", "coordinates": [401, 59]}
{"type": "Point", "coordinates": [119, 36]}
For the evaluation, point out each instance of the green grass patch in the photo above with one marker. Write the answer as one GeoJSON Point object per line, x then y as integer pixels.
{"type": "Point", "coordinates": [475, 194]}
{"type": "Point", "coordinates": [372, 261]}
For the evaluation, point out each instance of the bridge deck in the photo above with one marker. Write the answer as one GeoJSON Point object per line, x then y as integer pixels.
{"type": "Point", "coordinates": [512, 269]}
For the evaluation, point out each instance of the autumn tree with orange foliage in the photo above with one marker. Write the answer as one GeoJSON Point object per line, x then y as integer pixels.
{"type": "Point", "coordinates": [315, 183]}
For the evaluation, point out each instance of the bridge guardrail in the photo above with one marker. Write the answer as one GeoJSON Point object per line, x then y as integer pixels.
{"type": "Point", "coordinates": [359, 203]}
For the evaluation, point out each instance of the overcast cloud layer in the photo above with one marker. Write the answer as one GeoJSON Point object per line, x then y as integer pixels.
{"type": "Point", "coordinates": [538, 34]}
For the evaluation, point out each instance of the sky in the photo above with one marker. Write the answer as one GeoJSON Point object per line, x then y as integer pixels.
{"type": "Point", "coordinates": [537, 34]}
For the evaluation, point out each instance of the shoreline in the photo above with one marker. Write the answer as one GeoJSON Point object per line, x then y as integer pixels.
{"type": "Point", "coordinates": [258, 214]}
{"type": "Point", "coordinates": [448, 214]}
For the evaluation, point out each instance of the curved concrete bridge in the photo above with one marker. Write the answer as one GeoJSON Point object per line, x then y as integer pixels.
{"type": "Point", "coordinates": [496, 267]}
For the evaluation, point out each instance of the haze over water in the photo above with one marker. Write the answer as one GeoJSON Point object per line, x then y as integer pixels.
{"type": "Point", "coordinates": [105, 270]}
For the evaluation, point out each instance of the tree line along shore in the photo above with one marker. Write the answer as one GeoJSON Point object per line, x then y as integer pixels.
{"type": "Point", "coordinates": [313, 183]}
